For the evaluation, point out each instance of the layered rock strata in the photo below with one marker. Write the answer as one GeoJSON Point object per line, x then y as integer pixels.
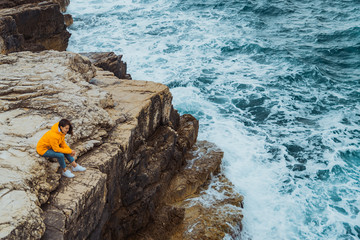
{"type": "Point", "coordinates": [109, 61]}
{"type": "Point", "coordinates": [199, 203]}
{"type": "Point", "coordinates": [33, 25]}
{"type": "Point", "coordinates": [35, 91]}
{"type": "Point", "coordinates": [127, 134]}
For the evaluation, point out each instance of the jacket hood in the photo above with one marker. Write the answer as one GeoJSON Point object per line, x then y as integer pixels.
{"type": "Point", "coordinates": [55, 128]}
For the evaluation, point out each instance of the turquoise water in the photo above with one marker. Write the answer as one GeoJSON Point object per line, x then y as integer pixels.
{"type": "Point", "coordinates": [275, 84]}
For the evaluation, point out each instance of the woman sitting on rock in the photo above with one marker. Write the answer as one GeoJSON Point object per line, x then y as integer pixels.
{"type": "Point", "coordinates": [53, 145]}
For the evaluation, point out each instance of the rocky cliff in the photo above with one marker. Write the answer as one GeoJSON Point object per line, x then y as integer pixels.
{"type": "Point", "coordinates": [135, 145]}
{"type": "Point", "coordinates": [147, 175]}
{"type": "Point", "coordinates": [33, 25]}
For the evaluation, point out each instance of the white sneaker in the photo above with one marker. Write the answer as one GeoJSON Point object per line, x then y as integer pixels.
{"type": "Point", "coordinates": [78, 168]}
{"type": "Point", "coordinates": [68, 174]}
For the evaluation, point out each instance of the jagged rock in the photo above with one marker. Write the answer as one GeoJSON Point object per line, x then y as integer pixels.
{"type": "Point", "coordinates": [68, 20]}
{"type": "Point", "coordinates": [36, 90]}
{"type": "Point", "coordinates": [10, 39]}
{"type": "Point", "coordinates": [190, 209]}
{"type": "Point", "coordinates": [122, 135]}
{"type": "Point", "coordinates": [212, 211]}
{"type": "Point", "coordinates": [109, 61]}
{"type": "Point", "coordinates": [212, 214]}
{"type": "Point", "coordinates": [202, 161]}
{"type": "Point", "coordinates": [126, 133]}
{"type": "Point", "coordinates": [187, 132]}
{"type": "Point", "coordinates": [144, 112]}
{"type": "Point", "coordinates": [32, 26]}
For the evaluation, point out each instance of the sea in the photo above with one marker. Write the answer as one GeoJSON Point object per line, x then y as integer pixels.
{"type": "Point", "coordinates": [274, 83]}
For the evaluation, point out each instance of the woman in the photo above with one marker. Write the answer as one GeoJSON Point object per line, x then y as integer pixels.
{"type": "Point", "coordinates": [53, 145]}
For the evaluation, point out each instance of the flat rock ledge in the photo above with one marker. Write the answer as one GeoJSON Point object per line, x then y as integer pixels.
{"type": "Point", "coordinates": [147, 176]}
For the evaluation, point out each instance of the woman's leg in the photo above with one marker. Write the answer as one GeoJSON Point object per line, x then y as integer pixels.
{"type": "Point", "coordinates": [75, 167]}
{"type": "Point", "coordinates": [70, 159]}
{"type": "Point", "coordinates": [60, 157]}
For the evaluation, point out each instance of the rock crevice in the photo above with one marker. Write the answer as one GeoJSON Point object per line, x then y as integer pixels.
{"type": "Point", "coordinates": [147, 176]}
{"type": "Point", "coordinates": [136, 147]}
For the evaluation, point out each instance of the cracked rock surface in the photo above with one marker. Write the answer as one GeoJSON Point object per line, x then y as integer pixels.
{"type": "Point", "coordinates": [143, 162]}
{"type": "Point", "coordinates": [37, 90]}
{"type": "Point", "coordinates": [113, 120]}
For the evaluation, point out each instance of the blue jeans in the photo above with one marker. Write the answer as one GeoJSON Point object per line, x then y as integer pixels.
{"type": "Point", "coordinates": [60, 157]}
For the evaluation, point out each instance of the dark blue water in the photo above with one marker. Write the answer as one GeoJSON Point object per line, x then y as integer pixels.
{"type": "Point", "coordinates": [276, 84]}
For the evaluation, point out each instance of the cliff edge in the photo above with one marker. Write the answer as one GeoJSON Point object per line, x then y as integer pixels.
{"type": "Point", "coordinates": [135, 145]}
{"type": "Point", "coordinates": [147, 175]}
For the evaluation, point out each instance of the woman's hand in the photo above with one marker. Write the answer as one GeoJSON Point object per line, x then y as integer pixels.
{"type": "Point", "coordinates": [72, 153]}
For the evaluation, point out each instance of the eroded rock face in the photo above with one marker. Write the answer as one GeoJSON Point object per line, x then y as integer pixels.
{"type": "Point", "coordinates": [140, 174]}
{"type": "Point", "coordinates": [204, 160]}
{"type": "Point", "coordinates": [109, 61]}
{"type": "Point", "coordinates": [10, 39]}
{"type": "Point", "coordinates": [123, 134]}
{"type": "Point", "coordinates": [213, 213]}
{"type": "Point", "coordinates": [32, 25]}
{"type": "Point", "coordinates": [210, 211]}
{"type": "Point", "coordinates": [144, 150]}
{"type": "Point", "coordinates": [36, 90]}
{"type": "Point", "coordinates": [191, 209]}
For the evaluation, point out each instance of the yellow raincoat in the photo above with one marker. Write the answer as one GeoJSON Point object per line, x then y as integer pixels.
{"type": "Point", "coordinates": [53, 139]}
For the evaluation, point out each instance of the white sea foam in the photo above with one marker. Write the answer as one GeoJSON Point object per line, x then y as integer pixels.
{"type": "Point", "coordinates": [288, 130]}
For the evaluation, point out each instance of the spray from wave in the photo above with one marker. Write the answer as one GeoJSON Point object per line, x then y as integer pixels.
{"type": "Point", "coordinates": [275, 84]}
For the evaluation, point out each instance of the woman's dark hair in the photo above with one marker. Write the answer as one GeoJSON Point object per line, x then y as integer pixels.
{"type": "Point", "coordinates": [64, 123]}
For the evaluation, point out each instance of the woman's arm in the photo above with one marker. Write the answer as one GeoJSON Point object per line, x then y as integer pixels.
{"type": "Point", "coordinates": [60, 148]}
